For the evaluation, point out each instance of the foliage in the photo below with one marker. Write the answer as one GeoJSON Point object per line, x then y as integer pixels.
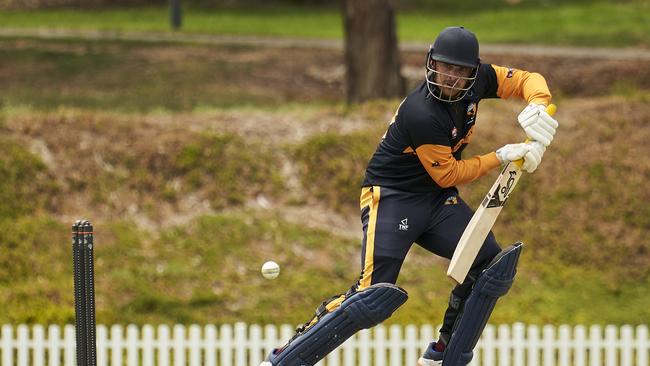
{"type": "Point", "coordinates": [35, 271]}
{"type": "Point", "coordinates": [25, 184]}
{"type": "Point", "coordinates": [230, 168]}
{"type": "Point", "coordinates": [332, 166]}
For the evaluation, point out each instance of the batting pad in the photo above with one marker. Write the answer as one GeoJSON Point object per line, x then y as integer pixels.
{"type": "Point", "coordinates": [364, 309]}
{"type": "Point", "coordinates": [494, 282]}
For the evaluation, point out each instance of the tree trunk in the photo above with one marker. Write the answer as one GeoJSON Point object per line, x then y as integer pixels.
{"type": "Point", "coordinates": [371, 54]}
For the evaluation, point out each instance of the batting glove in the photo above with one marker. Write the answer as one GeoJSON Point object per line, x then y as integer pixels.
{"type": "Point", "coordinates": [538, 124]}
{"type": "Point", "coordinates": [512, 152]}
{"type": "Point", "coordinates": [533, 157]}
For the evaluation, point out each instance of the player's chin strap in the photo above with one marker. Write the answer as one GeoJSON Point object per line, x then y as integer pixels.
{"type": "Point", "coordinates": [494, 282]}
{"type": "Point", "coordinates": [364, 309]}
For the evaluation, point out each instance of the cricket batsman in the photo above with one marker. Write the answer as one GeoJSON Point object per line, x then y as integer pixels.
{"type": "Point", "coordinates": [409, 195]}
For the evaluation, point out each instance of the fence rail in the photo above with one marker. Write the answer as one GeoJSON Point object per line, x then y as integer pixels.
{"type": "Point", "coordinates": [245, 345]}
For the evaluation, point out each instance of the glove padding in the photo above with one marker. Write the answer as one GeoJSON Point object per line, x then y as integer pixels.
{"type": "Point", "coordinates": [533, 157]}
{"type": "Point", "coordinates": [538, 124]}
{"type": "Point", "coordinates": [512, 152]}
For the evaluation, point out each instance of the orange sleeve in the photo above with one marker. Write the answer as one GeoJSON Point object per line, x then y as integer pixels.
{"type": "Point", "coordinates": [530, 86]}
{"type": "Point", "coordinates": [446, 171]}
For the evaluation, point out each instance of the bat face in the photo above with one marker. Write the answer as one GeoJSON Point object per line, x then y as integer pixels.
{"type": "Point", "coordinates": [481, 223]}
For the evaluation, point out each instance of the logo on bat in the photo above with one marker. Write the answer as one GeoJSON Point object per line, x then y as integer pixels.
{"type": "Point", "coordinates": [499, 196]}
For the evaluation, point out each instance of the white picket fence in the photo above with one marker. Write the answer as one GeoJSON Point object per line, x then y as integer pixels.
{"type": "Point", "coordinates": [243, 345]}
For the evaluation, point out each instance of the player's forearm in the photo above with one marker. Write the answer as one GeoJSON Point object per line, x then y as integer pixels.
{"type": "Point", "coordinates": [446, 171]}
{"type": "Point", "coordinates": [466, 170]}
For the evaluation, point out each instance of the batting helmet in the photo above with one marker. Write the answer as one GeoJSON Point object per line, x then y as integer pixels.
{"type": "Point", "coordinates": [455, 46]}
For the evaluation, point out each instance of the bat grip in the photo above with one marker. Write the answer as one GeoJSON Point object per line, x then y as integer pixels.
{"type": "Point", "coordinates": [551, 111]}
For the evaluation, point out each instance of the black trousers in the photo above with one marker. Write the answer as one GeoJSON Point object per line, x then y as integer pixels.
{"type": "Point", "coordinates": [393, 220]}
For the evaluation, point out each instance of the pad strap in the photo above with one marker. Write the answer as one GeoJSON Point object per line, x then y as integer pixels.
{"type": "Point", "coordinates": [364, 309]}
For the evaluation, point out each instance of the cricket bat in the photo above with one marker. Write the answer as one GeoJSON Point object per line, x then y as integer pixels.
{"type": "Point", "coordinates": [481, 223]}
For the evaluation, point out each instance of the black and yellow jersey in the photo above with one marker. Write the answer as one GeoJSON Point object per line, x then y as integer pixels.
{"type": "Point", "coordinates": [421, 150]}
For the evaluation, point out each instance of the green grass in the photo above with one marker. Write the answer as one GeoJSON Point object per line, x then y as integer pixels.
{"type": "Point", "coordinates": [131, 77]}
{"type": "Point", "coordinates": [125, 76]}
{"type": "Point", "coordinates": [599, 24]}
{"type": "Point", "coordinates": [26, 186]}
{"type": "Point", "coordinates": [230, 172]}
{"type": "Point", "coordinates": [283, 21]}
{"type": "Point", "coordinates": [35, 271]}
{"type": "Point", "coordinates": [583, 24]}
{"type": "Point", "coordinates": [337, 160]}
{"type": "Point", "coordinates": [204, 272]}
{"type": "Point", "coordinates": [585, 256]}
{"type": "Point", "coordinates": [207, 271]}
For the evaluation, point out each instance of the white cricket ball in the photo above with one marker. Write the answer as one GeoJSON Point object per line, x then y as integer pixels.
{"type": "Point", "coordinates": [270, 270]}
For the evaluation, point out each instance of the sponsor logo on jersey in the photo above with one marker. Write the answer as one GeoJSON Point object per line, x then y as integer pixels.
{"type": "Point", "coordinates": [452, 200]}
{"type": "Point", "coordinates": [471, 109]}
{"type": "Point", "coordinates": [510, 73]}
{"type": "Point", "coordinates": [404, 224]}
{"type": "Point", "coordinates": [471, 113]}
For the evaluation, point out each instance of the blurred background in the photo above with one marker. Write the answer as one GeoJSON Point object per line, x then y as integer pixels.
{"type": "Point", "coordinates": [204, 143]}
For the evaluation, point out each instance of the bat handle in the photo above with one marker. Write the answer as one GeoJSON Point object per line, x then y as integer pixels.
{"type": "Point", "coordinates": [551, 109]}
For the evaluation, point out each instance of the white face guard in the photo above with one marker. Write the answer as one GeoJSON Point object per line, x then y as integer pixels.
{"type": "Point", "coordinates": [435, 88]}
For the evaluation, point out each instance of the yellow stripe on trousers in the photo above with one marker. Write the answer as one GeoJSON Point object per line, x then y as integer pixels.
{"type": "Point", "coordinates": [369, 198]}
{"type": "Point", "coordinates": [368, 265]}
